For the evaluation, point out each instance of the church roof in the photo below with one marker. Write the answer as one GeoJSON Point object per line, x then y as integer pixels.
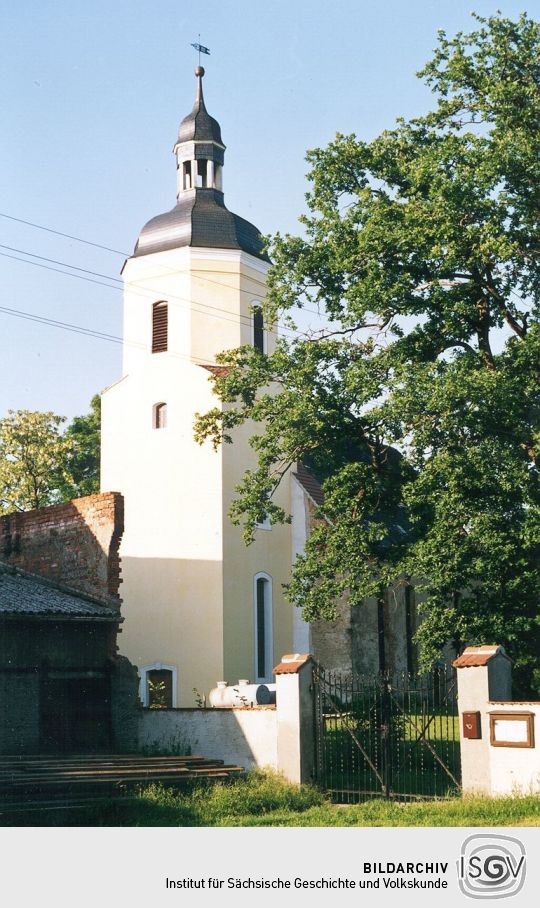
{"type": "Point", "coordinates": [199, 126]}
{"type": "Point", "coordinates": [200, 218]}
{"type": "Point", "coordinates": [218, 371]}
{"type": "Point", "coordinates": [309, 483]}
{"type": "Point", "coordinates": [26, 595]}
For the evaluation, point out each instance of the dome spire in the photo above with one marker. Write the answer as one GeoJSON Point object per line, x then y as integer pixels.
{"type": "Point", "coordinates": [199, 149]}
{"type": "Point", "coordinates": [200, 217]}
{"type": "Point", "coordinates": [199, 72]}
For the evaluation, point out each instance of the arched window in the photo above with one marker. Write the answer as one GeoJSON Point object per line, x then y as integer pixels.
{"type": "Point", "coordinates": [259, 334]}
{"type": "Point", "coordinates": [159, 416]}
{"type": "Point", "coordinates": [160, 327]}
{"type": "Point", "coordinates": [158, 686]}
{"type": "Point", "coordinates": [262, 615]}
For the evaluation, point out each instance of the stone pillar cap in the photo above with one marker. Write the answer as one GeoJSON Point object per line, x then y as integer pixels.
{"type": "Point", "coordinates": [291, 663]}
{"type": "Point", "coordinates": [475, 656]}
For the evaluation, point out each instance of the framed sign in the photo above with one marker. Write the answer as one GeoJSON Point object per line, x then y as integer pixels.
{"type": "Point", "coordinates": [508, 729]}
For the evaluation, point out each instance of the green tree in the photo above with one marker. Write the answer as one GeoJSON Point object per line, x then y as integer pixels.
{"type": "Point", "coordinates": [40, 465]}
{"type": "Point", "coordinates": [81, 476]}
{"type": "Point", "coordinates": [33, 457]}
{"type": "Point", "coordinates": [419, 404]}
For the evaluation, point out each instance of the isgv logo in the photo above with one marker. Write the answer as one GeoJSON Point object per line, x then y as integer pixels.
{"type": "Point", "coordinates": [491, 866]}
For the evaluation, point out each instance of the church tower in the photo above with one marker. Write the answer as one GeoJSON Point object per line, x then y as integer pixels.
{"type": "Point", "coordinates": [198, 605]}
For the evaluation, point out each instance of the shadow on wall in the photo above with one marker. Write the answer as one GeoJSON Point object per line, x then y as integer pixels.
{"type": "Point", "coordinates": [243, 737]}
{"type": "Point", "coordinates": [178, 614]}
{"type": "Point", "coordinates": [173, 616]}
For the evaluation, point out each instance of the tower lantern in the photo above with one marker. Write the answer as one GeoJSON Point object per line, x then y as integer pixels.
{"type": "Point", "coordinates": [200, 217]}
{"type": "Point", "coordinates": [199, 148]}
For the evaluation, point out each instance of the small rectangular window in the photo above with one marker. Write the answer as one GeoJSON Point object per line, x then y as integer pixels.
{"type": "Point", "coordinates": [159, 420]}
{"type": "Point", "coordinates": [160, 327]}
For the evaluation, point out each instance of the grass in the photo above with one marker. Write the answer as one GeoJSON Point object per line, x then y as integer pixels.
{"type": "Point", "coordinates": [264, 799]}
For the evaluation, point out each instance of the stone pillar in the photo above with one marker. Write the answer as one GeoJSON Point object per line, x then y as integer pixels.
{"type": "Point", "coordinates": [210, 174]}
{"type": "Point", "coordinates": [483, 674]}
{"type": "Point", "coordinates": [294, 705]}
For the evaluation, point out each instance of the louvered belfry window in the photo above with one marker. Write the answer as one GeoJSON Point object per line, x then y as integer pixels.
{"type": "Point", "coordinates": [160, 326]}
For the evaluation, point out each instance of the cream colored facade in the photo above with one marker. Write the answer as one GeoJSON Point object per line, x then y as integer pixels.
{"type": "Point", "coordinates": [188, 578]}
{"type": "Point", "coordinates": [194, 596]}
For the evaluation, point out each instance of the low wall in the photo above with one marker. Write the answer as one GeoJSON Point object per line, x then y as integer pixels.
{"type": "Point", "coordinates": [244, 737]}
{"type": "Point", "coordinates": [277, 737]}
{"type": "Point", "coordinates": [491, 763]}
{"type": "Point", "coordinates": [514, 769]}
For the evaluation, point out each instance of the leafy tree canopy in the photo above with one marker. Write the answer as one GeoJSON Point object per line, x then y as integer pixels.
{"type": "Point", "coordinates": [32, 460]}
{"type": "Point", "coordinates": [83, 456]}
{"type": "Point", "coordinates": [40, 465]}
{"type": "Point", "coordinates": [419, 404]}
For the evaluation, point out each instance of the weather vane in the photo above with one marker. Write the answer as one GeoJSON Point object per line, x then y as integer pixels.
{"type": "Point", "coordinates": [202, 49]}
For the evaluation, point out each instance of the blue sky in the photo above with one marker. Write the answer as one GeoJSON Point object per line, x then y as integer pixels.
{"type": "Point", "coordinates": [92, 95]}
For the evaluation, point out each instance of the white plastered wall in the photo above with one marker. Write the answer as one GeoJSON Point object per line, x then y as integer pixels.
{"type": "Point", "coordinates": [187, 575]}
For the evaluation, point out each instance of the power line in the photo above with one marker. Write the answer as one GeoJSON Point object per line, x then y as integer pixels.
{"type": "Point", "coordinates": [44, 258]}
{"type": "Point", "coordinates": [59, 233]}
{"type": "Point", "coordinates": [92, 332]}
{"type": "Point", "coordinates": [43, 320]}
{"type": "Point", "coordinates": [107, 249]}
{"type": "Point", "coordinates": [145, 292]}
{"type": "Point", "coordinates": [58, 270]}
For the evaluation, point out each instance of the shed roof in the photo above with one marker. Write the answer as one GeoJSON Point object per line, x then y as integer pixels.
{"type": "Point", "coordinates": [23, 594]}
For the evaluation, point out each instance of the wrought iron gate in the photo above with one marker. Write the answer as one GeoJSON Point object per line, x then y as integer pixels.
{"type": "Point", "coordinates": [391, 737]}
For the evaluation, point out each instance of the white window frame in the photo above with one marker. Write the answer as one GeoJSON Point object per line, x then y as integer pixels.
{"type": "Point", "coordinates": [269, 628]}
{"type": "Point", "coordinates": [158, 667]}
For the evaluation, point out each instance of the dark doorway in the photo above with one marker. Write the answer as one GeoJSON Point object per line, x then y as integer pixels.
{"type": "Point", "coordinates": [75, 714]}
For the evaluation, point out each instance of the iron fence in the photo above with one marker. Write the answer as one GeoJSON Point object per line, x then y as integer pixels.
{"type": "Point", "coordinates": [387, 736]}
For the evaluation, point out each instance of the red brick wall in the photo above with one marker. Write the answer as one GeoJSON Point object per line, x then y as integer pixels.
{"type": "Point", "coordinates": [75, 543]}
